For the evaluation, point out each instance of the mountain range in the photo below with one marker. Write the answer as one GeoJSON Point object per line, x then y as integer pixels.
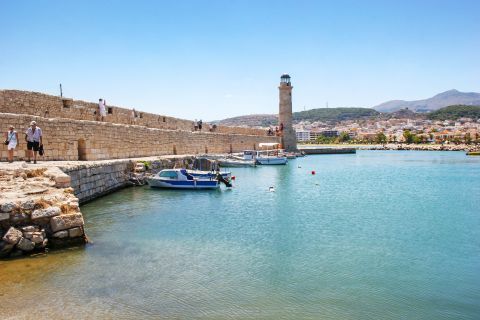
{"type": "Point", "coordinates": [444, 99]}
{"type": "Point", "coordinates": [394, 108]}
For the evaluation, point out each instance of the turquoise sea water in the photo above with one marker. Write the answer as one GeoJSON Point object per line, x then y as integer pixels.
{"type": "Point", "coordinates": [376, 235]}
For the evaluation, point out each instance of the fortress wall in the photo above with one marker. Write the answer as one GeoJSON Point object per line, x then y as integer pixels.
{"type": "Point", "coordinates": [48, 106]}
{"type": "Point", "coordinates": [67, 139]}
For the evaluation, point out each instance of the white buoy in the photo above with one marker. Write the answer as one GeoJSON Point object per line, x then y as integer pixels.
{"type": "Point", "coordinates": [271, 189]}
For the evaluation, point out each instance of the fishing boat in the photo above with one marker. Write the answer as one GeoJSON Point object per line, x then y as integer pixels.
{"type": "Point", "coordinates": [234, 162]}
{"type": "Point", "coordinates": [181, 179]}
{"type": "Point", "coordinates": [269, 156]}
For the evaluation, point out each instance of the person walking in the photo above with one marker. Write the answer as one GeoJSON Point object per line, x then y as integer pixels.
{"type": "Point", "coordinates": [11, 140]}
{"type": "Point", "coordinates": [102, 110]}
{"type": "Point", "coordinates": [34, 139]}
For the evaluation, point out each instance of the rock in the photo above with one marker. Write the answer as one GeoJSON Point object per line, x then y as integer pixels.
{"type": "Point", "coordinates": [8, 206]}
{"type": "Point", "coordinates": [61, 234]}
{"type": "Point", "coordinates": [5, 248]}
{"type": "Point", "coordinates": [66, 221]}
{"type": "Point", "coordinates": [12, 236]}
{"type": "Point", "coordinates": [28, 205]}
{"type": "Point", "coordinates": [75, 232]}
{"type": "Point", "coordinates": [29, 229]}
{"type": "Point", "coordinates": [46, 213]}
{"type": "Point", "coordinates": [37, 237]}
{"type": "Point", "coordinates": [25, 244]}
{"type": "Point", "coordinates": [43, 244]}
{"type": "Point", "coordinates": [4, 216]}
{"type": "Point", "coordinates": [18, 218]}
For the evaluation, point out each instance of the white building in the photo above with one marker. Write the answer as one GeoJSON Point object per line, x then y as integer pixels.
{"type": "Point", "coordinates": [303, 135]}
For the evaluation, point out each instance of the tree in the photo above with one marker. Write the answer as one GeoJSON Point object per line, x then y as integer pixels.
{"type": "Point", "coordinates": [408, 136]}
{"type": "Point", "coordinates": [380, 138]}
{"type": "Point", "coordinates": [344, 137]}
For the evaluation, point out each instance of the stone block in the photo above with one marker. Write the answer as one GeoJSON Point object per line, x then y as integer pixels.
{"type": "Point", "coordinates": [28, 204]}
{"type": "Point", "coordinates": [8, 206]}
{"type": "Point", "coordinates": [25, 244]}
{"type": "Point", "coordinates": [29, 229]}
{"type": "Point", "coordinates": [12, 236]}
{"type": "Point", "coordinates": [66, 221]}
{"type": "Point", "coordinates": [37, 237]}
{"type": "Point", "coordinates": [46, 213]}
{"type": "Point", "coordinates": [4, 216]}
{"type": "Point", "coordinates": [61, 234]}
{"type": "Point", "coordinates": [75, 232]}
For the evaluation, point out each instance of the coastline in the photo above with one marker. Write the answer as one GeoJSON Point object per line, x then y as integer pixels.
{"type": "Point", "coordinates": [392, 146]}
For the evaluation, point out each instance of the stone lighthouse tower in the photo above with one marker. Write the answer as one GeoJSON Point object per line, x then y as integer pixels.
{"type": "Point", "coordinates": [288, 137]}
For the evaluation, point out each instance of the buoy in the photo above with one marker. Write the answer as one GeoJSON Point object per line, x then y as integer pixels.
{"type": "Point", "coordinates": [299, 167]}
{"type": "Point", "coordinates": [233, 177]}
{"type": "Point", "coordinates": [271, 189]}
{"type": "Point", "coordinates": [313, 172]}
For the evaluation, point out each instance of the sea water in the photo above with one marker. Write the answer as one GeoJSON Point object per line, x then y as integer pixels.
{"type": "Point", "coordinates": [372, 235]}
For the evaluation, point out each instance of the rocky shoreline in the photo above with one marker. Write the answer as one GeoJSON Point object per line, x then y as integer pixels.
{"type": "Point", "coordinates": [37, 211]}
{"type": "Point", "coordinates": [399, 146]}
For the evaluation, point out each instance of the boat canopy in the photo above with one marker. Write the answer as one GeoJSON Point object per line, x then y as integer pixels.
{"type": "Point", "coordinates": [268, 144]}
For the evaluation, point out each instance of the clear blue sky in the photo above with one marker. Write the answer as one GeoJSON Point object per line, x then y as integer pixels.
{"type": "Point", "coordinates": [216, 59]}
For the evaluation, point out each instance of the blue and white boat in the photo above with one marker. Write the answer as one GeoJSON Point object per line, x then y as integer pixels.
{"type": "Point", "coordinates": [181, 179]}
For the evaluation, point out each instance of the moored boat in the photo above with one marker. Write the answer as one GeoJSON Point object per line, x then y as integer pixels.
{"type": "Point", "coordinates": [270, 156]}
{"type": "Point", "coordinates": [473, 153]}
{"type": "Point", "coordinates": [181, 179]}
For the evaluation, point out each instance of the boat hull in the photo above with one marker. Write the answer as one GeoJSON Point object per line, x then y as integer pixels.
{"type": "Point", "coordinates": [191, 184]}
{"type": "Point", "coordinates": [272, 161]}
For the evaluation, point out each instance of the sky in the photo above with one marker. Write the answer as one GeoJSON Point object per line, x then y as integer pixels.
{"type": "Point", "coordinates": [216, 59]}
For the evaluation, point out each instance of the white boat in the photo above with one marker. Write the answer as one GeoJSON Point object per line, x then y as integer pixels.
{"type": "Point", "coordinates": [181, 179]}
{"type": "Point", "coordinates": [232, 162]}
{"type": "Point", "coordinates": [270, 156]}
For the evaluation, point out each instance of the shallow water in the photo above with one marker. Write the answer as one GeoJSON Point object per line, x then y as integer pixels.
{"type": "Point", "coordinates": [376, 235]}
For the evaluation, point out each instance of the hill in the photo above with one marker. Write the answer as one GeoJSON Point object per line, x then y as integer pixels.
{"type": "Point", "coordinates": [252, 120]}
{"type": "Point", "coordinates": [455, 112]}
{"type": "Point", "coordinates": [320, 114]}
{"type": "Point", "coordinates": [447, 98]}
{"type": "Point", "coordinates": [334, 114]}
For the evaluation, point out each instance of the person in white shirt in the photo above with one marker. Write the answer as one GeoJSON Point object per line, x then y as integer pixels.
{"type": "Point", "coordinates": [102, 111]}
{"type": "Point", "coordinates": [12, 138]}
{"type": "Point", "coordinates": [34, 140]}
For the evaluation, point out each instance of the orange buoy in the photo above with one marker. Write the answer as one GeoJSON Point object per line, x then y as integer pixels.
{"type": "Point", "coordinates": [233, 177]}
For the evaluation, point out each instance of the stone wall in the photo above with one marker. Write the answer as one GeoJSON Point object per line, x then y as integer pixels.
{"type": "Point", "coordinates": [48, 106]}
{"type": "Point", "coordinates": [66, 139]}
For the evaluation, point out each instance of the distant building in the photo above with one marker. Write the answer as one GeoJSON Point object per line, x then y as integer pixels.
{"type": "Point", "coordinates": [330, 133]}
{"type": "Point", "coordinates": [302, 135]}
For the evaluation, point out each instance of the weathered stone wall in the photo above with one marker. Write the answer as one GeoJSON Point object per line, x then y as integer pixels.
{"type": "Point", "coordinates": [37, 210]}
{"type": "Point", "coordinates": [48, 106]}
{"type": "Point", "coordinates": [66, 139]}
{"type": "Point", "coordinates": [93, 180]}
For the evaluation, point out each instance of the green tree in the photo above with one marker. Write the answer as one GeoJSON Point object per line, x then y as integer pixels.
{"type": "Point", "coordinates": [344, 137]}
{"type": "Point", "coordinates": [380, 138]}
{"type": "Point", "coordinates": [408, 136]}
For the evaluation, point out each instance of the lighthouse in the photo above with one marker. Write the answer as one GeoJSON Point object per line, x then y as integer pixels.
{"type": "Point", "coordinates": [287, 134]}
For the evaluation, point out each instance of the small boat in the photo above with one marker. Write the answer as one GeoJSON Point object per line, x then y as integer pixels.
{"type": "Point", "coordinates": [232, 162]}
{"type": "Point", "coordinates": [181, 179]}
{"type": "Point", "coordinates": [265, 157]}
{"type": "Point", "coordinates": [473, 153]}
